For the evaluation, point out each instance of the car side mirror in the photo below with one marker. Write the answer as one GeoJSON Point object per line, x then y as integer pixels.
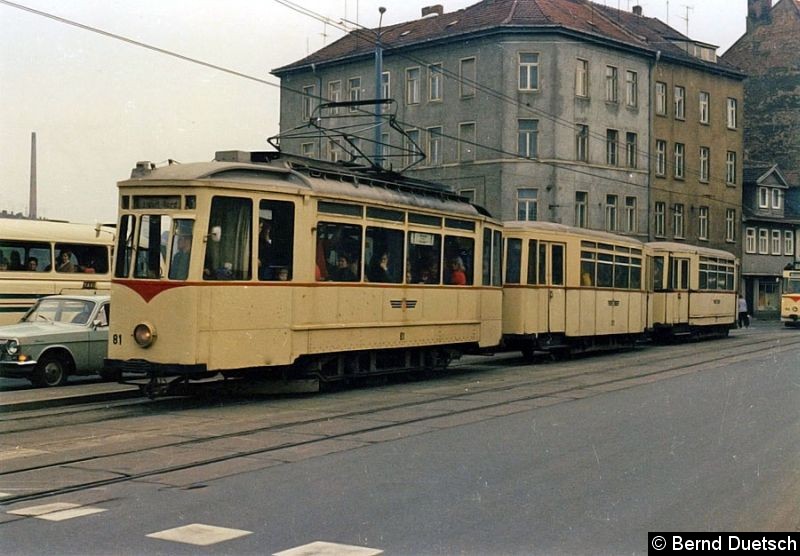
{"type": "Point", "coordinates": [96, 323]}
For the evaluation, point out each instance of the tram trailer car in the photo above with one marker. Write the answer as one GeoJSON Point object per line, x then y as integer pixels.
{"type": "Point", "coordinates": [271, 265]}
{"type": "Point", "coordinates": [570, 290]}
{"type": "Point", "coordinates": [692, 291]}
{"type": "Point", "coordinates": [790, 295]}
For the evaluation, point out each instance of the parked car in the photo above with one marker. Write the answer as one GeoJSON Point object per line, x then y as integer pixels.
{"type": "Point", "coordinates": [60, 335]}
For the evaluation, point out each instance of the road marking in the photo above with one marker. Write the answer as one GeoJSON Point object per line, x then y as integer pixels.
{"type": "Point", "coordinates": [58, 511]}
{"type": "Point", "coordinates": [199, 534]}
{"type": "Point", "coordinates": [322, 548]}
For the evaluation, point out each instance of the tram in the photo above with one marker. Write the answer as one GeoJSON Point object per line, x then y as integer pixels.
{"type": "Point", "coordinates": [790, 295]}
{"type": "Point", "coordinates": [266, 264]}
{"type": "Point", "coordinates": [570, 290]}
{"type": "Point", "coordinates": [692, 291]}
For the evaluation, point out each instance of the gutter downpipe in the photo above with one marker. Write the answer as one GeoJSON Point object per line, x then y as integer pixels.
{"type": "Point", "coordinates": [378, 90]}
{"type": "Point", "coordinates": [651, 141]}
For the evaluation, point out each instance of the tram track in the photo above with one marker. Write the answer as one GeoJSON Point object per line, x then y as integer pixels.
{"type": "Point", "coordinates": [568, 385]}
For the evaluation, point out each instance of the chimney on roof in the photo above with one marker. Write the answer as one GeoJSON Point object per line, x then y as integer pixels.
{"type": "Point", "coordinates": [637, 10]}
{"type": "Point", "coordinates": [758, 13]}
{"type": "Point", "coordinates": [436, 9]}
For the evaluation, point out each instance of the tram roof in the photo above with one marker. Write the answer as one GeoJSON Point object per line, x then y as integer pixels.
{"type": "Point", "coordinates": [337, 180]}
{"type": "Point", "coordinates": [689, 248]}
{"type": "Point", "coordinates": [564, 229]}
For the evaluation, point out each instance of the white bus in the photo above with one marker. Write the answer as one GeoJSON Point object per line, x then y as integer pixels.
{"type": "Point", "coordinates": [39, 258]}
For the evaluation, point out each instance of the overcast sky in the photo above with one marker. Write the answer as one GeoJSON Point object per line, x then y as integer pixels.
{"type": "Point", "coordinates": [98, 105]}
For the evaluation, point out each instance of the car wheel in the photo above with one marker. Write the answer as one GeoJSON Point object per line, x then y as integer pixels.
{"type": "Point", "coordinates": [50, 371]}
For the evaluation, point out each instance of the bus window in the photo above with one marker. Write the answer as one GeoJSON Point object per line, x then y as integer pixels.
{"type": "Point", "coordinates": [229, 239]}
{"type": "Point", "coordinates": [181, 249]}
{"type": "Point", "coordinates": [383, 255]}
{"type": "Point", "coordinates": [152, 245]}
{"type": "Point", "coordinates": [337, 253]}
{"type": "Point", "coordinates": [513, 260]}
{"type": "Point", "coordinates": [459, 255]}
{"type": "Point", "coordinates": [124, 246]}
{"type": "Point", "coordinates": [24, 256]}
{"type": "Point", "coordinates": [424, 254]}
{"type": "Point", "coordinates": [275, 240]}
{"type": "Point", "coordinates": [76, 257]}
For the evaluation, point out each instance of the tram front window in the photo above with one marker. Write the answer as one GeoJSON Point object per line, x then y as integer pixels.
{"type": "Point", "coordinates": [152, 245]}
{"type": "Point", "coordinates": [791, 285]}
{"type": "Point", "coordinates": [229, 242]}
{"type": "Point", "coordinates": [181, 249]}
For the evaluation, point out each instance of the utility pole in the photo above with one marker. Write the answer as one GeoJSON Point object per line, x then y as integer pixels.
{"type": "Point", "coordinates": [686, 19]}
{"type": "Point", "coordinates": [378, 89]}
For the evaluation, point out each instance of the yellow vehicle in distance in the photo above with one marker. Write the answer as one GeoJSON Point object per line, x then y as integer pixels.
{"type": "Point", "coordinates": [790, 295]}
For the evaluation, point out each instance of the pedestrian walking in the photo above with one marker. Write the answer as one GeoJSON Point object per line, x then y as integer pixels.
{"type": "Point", "coordinates": [744, 318]}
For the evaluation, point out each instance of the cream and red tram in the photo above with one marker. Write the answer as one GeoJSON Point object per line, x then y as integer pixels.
{"type": "Point", "coordinates": [790, 295]}
{"type": "Point", "coordinates": [693, 290]}
{"type": "Point", "coordinates": [571, 289]}
{"type": "Point", "coordinates": [259, 262]}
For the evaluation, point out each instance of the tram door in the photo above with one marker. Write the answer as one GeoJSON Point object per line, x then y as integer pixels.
{"type": "Point", "coordinates": [678, 303]}
{"type": "Point", "coordinates": [546, 268]}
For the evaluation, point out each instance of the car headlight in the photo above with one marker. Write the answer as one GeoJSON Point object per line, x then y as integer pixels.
{"type": "Point", "coordinates": [12, 347]}
{"type": "Point", "coordinates": [144, 334]}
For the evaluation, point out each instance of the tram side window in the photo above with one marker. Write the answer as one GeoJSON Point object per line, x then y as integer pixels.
{"type": "Point", "coordinates": [533, 261]}
{"type": "Point", "coordinates": [622, 271]}
{"type": "Point", "coordinates": [181, 253]}
{"type": "Point", "coordinates": [24, 256]}
{"type": "Point", "coordinates": [151, 249]}
{"type": "Point", "coordinates": [424, 254]}
{"type": "Point", "coordinates": [125, 242]}
{"type": "Point", "coordinates": [383, 255]}
{"type": "Point", "coordinates": [74, 257]}
{"type": "Point", "coordinates": [658, 274]}
{"type": "Point", "coordinates": [513, 260]}
{"type": "Point", "coordinates": [605, 270]}
{"type": "Point", "coordinates": [338, 252]}
{"type": "Point", "coordinates": [678, 274]}
{"type": "Point", "coordinates": [487, 257]}
{"type": "Point", "coordinates": [459, 255]}
{"type": "Point", "coordinates": [557, 263]}
{"type": "Point", "coordinates": [228, 249]}
{"type": "Point", "coordinates": [497, 258]}
{"type": "Point", "coordinates": [275, 240]}
{"type": "Point", "coordinates": [636, 273]}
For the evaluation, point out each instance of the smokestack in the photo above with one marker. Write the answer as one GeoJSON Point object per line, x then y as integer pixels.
{"type": "Point", "coordinates": [758, 12]}
{"type": "Point", "coordinates": [437, 9]}
{"type": "Point", "coordinates": [32, 198]}
{"type": "Point", "coordinates": [637, 10]}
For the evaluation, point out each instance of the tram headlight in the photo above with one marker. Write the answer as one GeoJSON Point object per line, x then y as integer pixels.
{"type": "Point", "coordinates": [12, 347]}
{"type": "Point", "coordinates": [144, 334]}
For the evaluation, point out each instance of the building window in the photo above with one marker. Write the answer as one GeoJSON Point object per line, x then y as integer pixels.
{"type": "Point", "coordinates": [631, 89]}
{"type": "Point", "coordinates": [702, 232]}
{"type": "Point", "coordinates": [412, 86]}
{"type": "Point", "coordinates": [467, 77]}
{"type": "Point", "coordinates": [412, 147]}
{"type": "Point", "coordinates": [354, 91]}
{"type": "Point", "coordinates": [661, 158]}
{"type": "Point", "coordinates": [466, 141]}
{"type": "Point", "coordinates": [528, 71]}
{"type": "Point", "coordinates": [776, 242]}
{"type": "Point", "coordinates": [334, 94]}
{"type": "Point", "coordinates": [777, 196]}
{"type": "Point", "coordinates": [677, 221]}
{"type": "Point", "coordinates": [679, 160]}
{"type": "Point", "coordinates": [527, 204]}
{"type": "Point", "coordinates": [582, 143]}
{"type": "Point", "coordinates": [661, 98]}
{"type": "Point", "coordinates": [526, 138]}
{"type": "Point", "coordinates": [385, 148]}
{"type": "Point", "coordinates": [630, 215]}
{"type": "Point", "coordinates": [581, 206]}
{"type": "Point", "coordinates": [763, 197]}
{"type": "Point", "coordinates": [730, 225]}
{"type": "Point", "coordinates": [750, 240]}
{"type": "Point", "coordinates": [661, 209]}
{"type": "Point", "coordinates": [435, 78]}
{"type": "Point", "coordinates": [386, 85]}
{"type": "Point", "coordinates": [307, 149]}
{"type": "Point", "coordinates": [334, 151]}
{"type": "Point", "coordinates": [612, 147]}
{"type": "Point", "coordinates": [631, 141]}
{"type": "Point", "coordinates": [434, 146]}
{"type": "Point", "coordinates": [582, 78]}
{"type": "Point", "coordinates": [788, 242]}
{"type": "Point", "coordinates": [611, 213]}
{"type": "Point", "coordinates": [705, 99]}
{"type": "Point", "coordinates": [730, 168]}
{"type": "Point", "coordinates": [468, 194]}
{"type": "Point", "coordinates": [731, 113]}
{"type": "Point", "coordinates": [704, 157]}
{"type": "Point", "coordinates": [611, 84]}
{"type": "Point", "coordinates": [680, 104]}
{"type": "Point", "coordinates": [308, 101]}
{"type": "Point", "coordinates": [763, 241]}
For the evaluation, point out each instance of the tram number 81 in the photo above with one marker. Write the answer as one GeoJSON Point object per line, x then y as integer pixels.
{"type": "Point", "coordinates": [116, 339]}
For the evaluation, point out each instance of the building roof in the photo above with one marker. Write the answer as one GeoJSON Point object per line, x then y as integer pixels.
{"type": "Point", "coordinates": [755, 173]}
{"type": "Point", "coordinates": [590, 19]}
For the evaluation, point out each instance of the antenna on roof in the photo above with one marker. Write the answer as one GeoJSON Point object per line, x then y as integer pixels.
{"type": "Point", "coordinates": [686, 19]}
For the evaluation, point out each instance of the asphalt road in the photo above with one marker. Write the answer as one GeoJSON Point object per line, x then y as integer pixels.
{"type": "Point", "coordinates": [712, 450]}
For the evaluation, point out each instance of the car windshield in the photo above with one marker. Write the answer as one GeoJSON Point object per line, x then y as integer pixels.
{"type": "Point", "coordinates": [71, 311]}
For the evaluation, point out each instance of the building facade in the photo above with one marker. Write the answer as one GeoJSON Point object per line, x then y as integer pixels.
{"type": "Point", "coordinates": [542, 111]}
